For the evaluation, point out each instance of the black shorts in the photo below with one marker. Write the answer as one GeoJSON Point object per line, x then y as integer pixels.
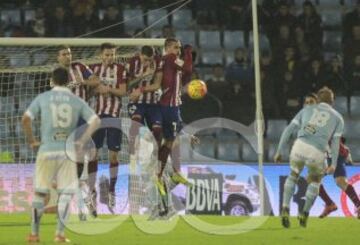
{"type": "Point", "coordinates": [113, 134]}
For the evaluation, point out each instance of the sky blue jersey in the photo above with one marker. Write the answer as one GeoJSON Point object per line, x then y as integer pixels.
{"type": "Point", "coordinates": [59, 110]}
{"type": "Point", "coordinates": [316, 125]}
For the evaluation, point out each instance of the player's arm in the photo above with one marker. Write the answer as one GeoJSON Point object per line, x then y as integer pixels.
{"type": "Point", "coordinates": [90, 79]}
{"type": "Point", "coordinates": [335, 145]}
{"type": "Point", "coordinates": [285, 136]}
{"type": "Point", "coordinates": [120, 88]}
{"type": "Point", "coordinates": [26, 121]}
{"type": "Point", "coordinates": [92, 120]}
{"type": "Point", "coordinates": [188, 65]}
{"type": "Point", "coordinates": [156, 84]}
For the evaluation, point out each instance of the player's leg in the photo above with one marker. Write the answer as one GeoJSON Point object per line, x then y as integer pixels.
{"type": "Point", "coordinates": [330, 205]}
{"type": "Point", "coordinates": [342, 183]}
{"type": "Point", "coordinates": [67, 184]}
{"type": "Point", "coordinates": [136, 113]}
{"type": "Point", "coordinates": [44, 173]}
{"type": "Point", "coordinates": [113, 136]}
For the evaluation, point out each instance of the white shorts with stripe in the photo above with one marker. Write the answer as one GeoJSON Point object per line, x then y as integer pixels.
{"type": "Point", "coordinates": [55, 168]}
{"type": "Point", "coordinates": [305, 154]}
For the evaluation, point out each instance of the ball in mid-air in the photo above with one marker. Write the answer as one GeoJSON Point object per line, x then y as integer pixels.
{"type": "Point", "coordinates": [196, 89]}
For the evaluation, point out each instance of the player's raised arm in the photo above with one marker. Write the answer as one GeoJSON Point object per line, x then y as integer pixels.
{"type": "Point", "coordinates": [285, 136]}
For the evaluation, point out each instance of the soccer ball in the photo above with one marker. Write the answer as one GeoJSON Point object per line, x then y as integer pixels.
{"type": "Point", "coordinates": [196, 89]}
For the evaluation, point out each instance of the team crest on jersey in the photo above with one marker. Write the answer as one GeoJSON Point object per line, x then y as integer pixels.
{"type": "Point", "coordinates": [132, 109]}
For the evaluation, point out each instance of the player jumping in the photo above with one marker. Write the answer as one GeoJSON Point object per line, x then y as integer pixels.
{"type": "Point", "coordinates": [315, 125]}
{"type": "Point", "coordinates": [59, 111]}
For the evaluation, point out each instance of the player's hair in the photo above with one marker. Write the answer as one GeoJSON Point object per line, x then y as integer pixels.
{"type": "Point", "coordinates": [170, 41]}
{"type": "Point", "coordinates": [325, 95]}
{"type": "Point", "coordinates": [60, 76]}
{"type": "Point", "coordinates": [147, 50]}
{"type": "Point", "coordinates": [62, 47]}
{"type": "Point", "coordinates": [104, 46]}
{"type": "Point", "coordinates": [312, 95]}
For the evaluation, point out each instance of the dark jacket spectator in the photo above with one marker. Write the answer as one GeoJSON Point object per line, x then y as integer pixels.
{"type": "Point", "coordinates": [87, 22]}
{"type": "Point", "coordinates": [310, 22]}
{"type": "Point", "coordinates": [335, 77]}
{"type": "Point", "coordinates": [315, 77]}
{"type": "Point", "coordinates": [59, 25]}
{"type": "Point", "coordinates": [354, 76]}
{"type": "Point", "coordinates": [350, 20]}
{"type": "Point", "coordinates": [352, 47]}
{"type": "Point", "coordinates": [281, 18]}
{"type": "Point", "coordinates": [281, 41]}
{"type": "Point", "coordinates": [112, 17]}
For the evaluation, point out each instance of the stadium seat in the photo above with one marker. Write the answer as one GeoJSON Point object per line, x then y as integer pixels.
{"type": "Point", "coordinates": [20, 60]}
{"type": "Point", "coordinates": [332, 41]}
{"type": "Point", "coordinates": [29, 14]}
{"type": "Point", "coordinates": [182, 19]}
{"type": "Point", "coordinates": [209, 40]}
{"type": "Point", "coordinates": [329, 3]}
{"type": "Point", "coordinates": [187, 37]}
{"type": "Point", "coordinates": [275, 128]}
{"type": "Point", "coordinates": [205, 150]}
{"type": "Point", "coordinates": [355, 106]}
{"type": "Point", "coordinates": [352, 129]}
{"type": "Point", "coordinates": [264, 43]}
{"type": "Point", "coordinates": [133, 19]}
{"type": "Point", "coordinates": [272, 147]}
{"type": "Point", "coordinates": [212, 57]}
{"type": "Point", "coordinates": [229, 57]}
{"type": "Point", "coordinates": [229, 150]}
{"type": "Point", "coordinates": [40, 58]}
{"type": "Point", "coordinates": [248, 153]}
{"type": "Point", "coordinates": [155, 16]}
{"type": "Point", "coordinates": [341, 105]}
{"type": "Point", "coordinates": [331, 18]}
{"type": "Point", "coordinates": [11, 16]}
{"type": "Point", "coordinates": [233, 40]}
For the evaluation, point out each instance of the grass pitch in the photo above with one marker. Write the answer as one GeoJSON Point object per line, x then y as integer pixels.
{"type": "Point", "coordinates": [14, 229]}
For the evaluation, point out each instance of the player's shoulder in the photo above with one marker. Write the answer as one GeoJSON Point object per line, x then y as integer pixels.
{"type": "Point", "coordinates": [79, 64]}
{"type": "Point", "coordinates": [169, 57]}
{"type": "Point", "coordinates": [332, 110]}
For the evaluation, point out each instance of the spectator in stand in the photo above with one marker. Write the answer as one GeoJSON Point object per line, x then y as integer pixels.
{"type": "Point", "coordinates": [207, 17]}
{"type": "Point", "coordinates": [236, 14]}
{"type": "Point", "coordinates": [281, 18]}
{"type": "Point", "coordinates": [112, 16]}
{"type": "Point", "coordinates": [335, 76]}
{"type": "Point", "coordinates": [36, 27]}
{"type": "Point", "coordinates": [280, 41]}
{"type": "Point", "coordinates": [315, 77]}
{"type": "Point", "coordinates": [350, 20]}
{"type": "Point", "coordinates": [240, 73]}
{"type": "Point", "coordinates": [290, 95]}
{"type": "Point", "coordinates": [167, 31]}
{"type": "Point", "coordinates": [310, 22]}
{"type": "Point", "coordinates": [352, 47]}
{"type": "Point", "coordinates": [59, 24]}
{"type": "Point", "coordinates": [87, 22]}
{"type": "Point", "coordinates": [354, 76]}
{"type": "Point", "coordinates": [217, 75]}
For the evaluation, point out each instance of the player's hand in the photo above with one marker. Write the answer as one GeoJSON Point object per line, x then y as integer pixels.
{"type": "Point", "coordinates": [330, 170]}
{"type": "Point", "coordinates": [34, 144]}
{"type": "Point", "coordinates": [102, 89]}
{"type": "Point", "coordinates": [194, 141]}
{"type": "Point", "coordinates": [135, 94]}
{"type": "Point", "coordinates": [277, 158]}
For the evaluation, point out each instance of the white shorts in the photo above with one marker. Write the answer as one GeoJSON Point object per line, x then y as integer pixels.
{"type": "Point", "coordinates": [55, 168]}
{"type": "Point", "coordinates": [305, 154]}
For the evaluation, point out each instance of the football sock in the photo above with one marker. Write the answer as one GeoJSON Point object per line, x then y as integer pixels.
{"type": "Point", "coordinates": [114, 169]}
{"type": "Point", "coordinates": [163, 156]}
{"type": "Point", "coordinates": [92, 169]}
{"type": "Point", "coordinates": [324, 196]}
{"type": "Point", "coordinates": [289, 189]}
{"type": "Point", "coordinates": [351, 193]}
{"type": "Point", "coordinates": [175, 157]}
{"type": "Point", "coordinates": [312, 192]}
{"type": "Point", "coordinates": [63, 212]}
{"type": "Point", "coordinates": [36, 212]}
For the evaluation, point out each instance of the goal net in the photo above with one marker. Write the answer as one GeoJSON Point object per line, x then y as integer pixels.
{"type": "Point", "coordinates": [25, 67]}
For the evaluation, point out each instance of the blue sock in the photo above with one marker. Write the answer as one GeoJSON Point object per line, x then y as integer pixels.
{"type": "Point", "coordinates": [63, 212]}
{"type": "Point", "coordinates": [312, 192]}
{"type": "Point", "coordinates": [289, 189]}
{"type": "Point", "coordinates": [36, 212]}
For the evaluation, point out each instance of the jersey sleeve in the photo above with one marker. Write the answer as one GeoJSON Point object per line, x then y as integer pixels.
{"type": "Point", "coordinates": [173, 61]}
{"type": "Point", "coordinates": [85, 70]}
{"type": "Point", "coordinates": [339, 130]}
{"type": "Point", "coordinates": [34, 108]}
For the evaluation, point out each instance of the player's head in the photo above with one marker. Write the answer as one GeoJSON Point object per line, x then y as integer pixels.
{"type": "Point", "coordinates": [310, 99]}
{"type": "Point", "coordinates": [172, 46]}
{"type": "Point", "coordinates": [60, 76]}
{"type": "Point", "coordinates": [326, 95]}
{"type": "Point", "coordinates": [64, 56]}
{"type": "Point", "coordinates": [146, 54]}
{"type": "Point", "coordinates": [107, 53]}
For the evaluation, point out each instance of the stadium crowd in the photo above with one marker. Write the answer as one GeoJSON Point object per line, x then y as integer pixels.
{"type": "Point", "coordinates": [299, 55]}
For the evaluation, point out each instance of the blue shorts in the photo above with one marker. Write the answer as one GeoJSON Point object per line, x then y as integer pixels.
{"type": "Point", "coordinates": [340, 170]}
{"type": "Point", "coordinates": [150, 114]}
{"type": "Point", "coordinates": [172, 122]}
{"type": "Point", "coordinates": [113, 136]}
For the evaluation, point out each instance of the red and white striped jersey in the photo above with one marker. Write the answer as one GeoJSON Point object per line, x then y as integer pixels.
{"type": "Point", "coordinates": [171, 82]}
{"type": "Point", "coordinates": [79, 72]}
{"type": "Point", "coordinates": [112, 76]}
{"type": "Point", "coordinates": [137, 69]}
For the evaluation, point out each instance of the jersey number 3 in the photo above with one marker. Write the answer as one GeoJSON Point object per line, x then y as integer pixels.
{"type": "Point", "coordinates": [61, 115]}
